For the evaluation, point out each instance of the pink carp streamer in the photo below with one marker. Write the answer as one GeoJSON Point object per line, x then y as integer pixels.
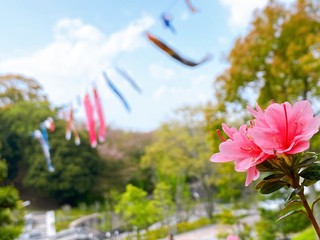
{"type": "Point", "coordinates": [71, 128]}
{"type": "Point", "coordinates": [98, 107]}
{"type": "Point", "coordinates": [90, 120]}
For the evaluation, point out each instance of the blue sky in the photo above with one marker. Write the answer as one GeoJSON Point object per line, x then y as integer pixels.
{"type": "Point", "coordinates": [66, 45]}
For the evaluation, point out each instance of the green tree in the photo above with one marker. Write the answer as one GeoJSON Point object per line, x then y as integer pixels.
{"type": "Point", "coordinates": [278, 59]}
{"type": "Point", "coordinates": [77, 167]}
{"type": "Point", "coordinates": [135, 208]}
{"type": "Point", "coordinates": [11, 209]}
{"type": "Point", "coordinates": [23, 106]}
{"type": "Point", "coordinates": [17, 122]}
{"type": "Point", "coordinates": [122, 152]}
{"type": "Point", "coordinates": [16, 88]}
{"type": "Point", "coordinates": [294, 224]}
{"type": "Point", "coordinates": [162, 201]}
{"type": "Point", "coordinates": [228, 184]}
{"type": "Point", "coordinates": [181, 152]}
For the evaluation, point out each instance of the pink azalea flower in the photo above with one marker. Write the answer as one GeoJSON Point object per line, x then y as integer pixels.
{"type": "Point", "coordinates": [233, 237]}
{"type": "Point", "coordinates": [241, 149]}
{"type": "Point", "coordinates": [283, 128]}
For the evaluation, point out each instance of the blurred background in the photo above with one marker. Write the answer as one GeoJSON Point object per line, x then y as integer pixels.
{"type": "Point", "coordinates": [133, 162]}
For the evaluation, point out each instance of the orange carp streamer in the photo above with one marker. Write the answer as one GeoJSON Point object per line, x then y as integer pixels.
{"type": "Point", "coordinates": [174, 54]}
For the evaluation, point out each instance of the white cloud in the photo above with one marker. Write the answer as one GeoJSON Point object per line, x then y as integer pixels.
{"type": "Point", "coordinates": [160, 92]}
{"type": "Point", "coordinates": [241, 11]}
{"type": "Point", "coordinates": [175, 95]}
{"type": "Point", "coordinates": [76, 56]}
{"type": "Point", "coordinates": [76, 30]}
{"type": "Point", "coordinates": [194, 91]}
{"type": "Point", "coordinates": [159, 71]}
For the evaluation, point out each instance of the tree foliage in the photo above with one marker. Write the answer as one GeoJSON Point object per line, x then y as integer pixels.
{"type": "Point", "coordinates": [180, 146]}
{"type": "Point", "coordinates": [11, 209]}
{"type": "Point", "coordinates": [77, 167]}
{"type": "Point", "coordinates": [181, 152]}
{"type": "Point", "coordinates": [279, 58]}
{"type": "Point", "coordinates": [81, 173]}
{"type": "Point", "coordinates": [17, 122]}
{"type": "Point", "coordinates": [135, 208]}
{"type": "Point", "coordinates": [122, 152]}
{"type": "Point", "coordinates": [15, 88]}
{"type": "Point", "coordinates": [163, 202]}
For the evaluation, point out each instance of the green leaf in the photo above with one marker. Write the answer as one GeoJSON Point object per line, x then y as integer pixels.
{"type": "Point", "coordinates": [307, 182]}
{"type": "Point", "coordinates": [312, 172]}
{"type": "Point", "coordinates": [308, 161]}
{"type": "Point", "coordinates": [283, 163]}
{"type": "Point", "coordinates": [293, 194]}
{"type": "Point", "coordinates": [269, 179]}
{"type": "Point", "coordinates": [266, 166]}
{"type": "Point", "coordinates": [270, 187]}
{"type": "Point", "coordinates": [287, 179]}
{"type": "Point", "coordinates": [311, 153]}
{"type": "Point", "coordinates": [260, 184]}
{"type": "Point", "coordinates": [314, 203]}
{"type": "Point", "coordinates": [274, 177]}
{"type": "Point", "coordinates": [289, 214]}
{"type": "Point", "coordinates": [290, 208]}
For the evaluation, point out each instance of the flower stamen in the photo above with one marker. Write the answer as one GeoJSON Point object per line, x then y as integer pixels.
{"type": "Point", "coordinates": [286, 118]}
{"type": "Point", "coordinates": [220, 136]}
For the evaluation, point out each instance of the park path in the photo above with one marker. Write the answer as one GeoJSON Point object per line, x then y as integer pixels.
{"type": "Point", "coordinates": [206, 233]}
{"type": "Point", "coordinates": [39, 225]}
{"type": "Point", "coordinates": [211, 232]}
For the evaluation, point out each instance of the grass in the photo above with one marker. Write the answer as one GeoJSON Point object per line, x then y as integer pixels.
{"type": "Point", "coordinates": [180, 228]}
{"type": "Point", "coordinates": [66, 215]}
{"type": "Point", "coordinates": [308, 233]}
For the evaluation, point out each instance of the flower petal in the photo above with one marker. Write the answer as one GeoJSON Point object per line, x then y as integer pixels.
{"type": "Point", "coordinates": [252, 174]}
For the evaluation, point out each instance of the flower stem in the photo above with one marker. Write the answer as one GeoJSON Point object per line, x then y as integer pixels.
{"type": "Point", "coordinates": [309, 212]}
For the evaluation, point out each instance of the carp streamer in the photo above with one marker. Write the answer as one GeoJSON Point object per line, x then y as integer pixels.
{"type": "Point", "coordinates": [45, 148]}
{"type": "Point", "coordinates": [167, 21]}
{"type": "Point", "coordinates": [174, 54]}
{"type": "Point", "coordinates": [191, 7]}
{"type": "Point", "coordinates": [116, 91]}
{"type": "Point", "coordinates": [125, 75]}
{"type": "Point", "coordinates": [71, 128]}
{"type": "Point", "coordinates": [90, 120]}
{"type": "Point", "coordinates": [98, 107]}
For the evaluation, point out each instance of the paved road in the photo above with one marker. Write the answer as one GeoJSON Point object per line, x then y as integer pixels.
{"type": "Point", "coordinates": [206, 233]}
{"type": "Point", "coordinates": [39, 225]}
{"type": "Point", "coordinates": [210, 232]}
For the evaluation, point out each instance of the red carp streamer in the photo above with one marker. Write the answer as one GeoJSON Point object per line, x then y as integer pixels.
{"type": "Point", "coordinates": [90, 120]}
